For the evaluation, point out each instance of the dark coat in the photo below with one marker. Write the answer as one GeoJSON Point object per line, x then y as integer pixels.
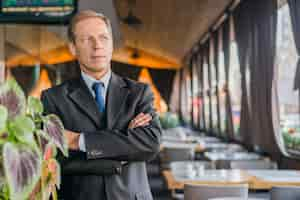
{"type": "Point", "coordinates": [96, 174]}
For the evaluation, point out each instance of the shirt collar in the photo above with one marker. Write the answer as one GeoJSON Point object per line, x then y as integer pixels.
{"type": "Point", "coordinates": [90, 80]}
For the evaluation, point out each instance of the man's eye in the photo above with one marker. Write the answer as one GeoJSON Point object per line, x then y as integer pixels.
{"type": "Point", "coordinates": [84, 39]}
{"type": "Point", "coordinates": [103, 38]}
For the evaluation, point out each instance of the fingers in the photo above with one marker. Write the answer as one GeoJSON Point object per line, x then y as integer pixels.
{"type": "Point", "coordinates": [133, 121]}
{"type": "Point", "coordinates": [140, 120]}
{"type": "Point", "coordinates": [143, 121]}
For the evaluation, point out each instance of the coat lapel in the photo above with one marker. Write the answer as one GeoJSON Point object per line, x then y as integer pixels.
{"type": "Point", "coordinates": [116, 98]}
{"type": "Point", "coordinates": [82, 97]}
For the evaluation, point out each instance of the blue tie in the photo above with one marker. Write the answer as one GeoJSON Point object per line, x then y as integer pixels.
{"type": "Point", "coordinates": [98, 88]}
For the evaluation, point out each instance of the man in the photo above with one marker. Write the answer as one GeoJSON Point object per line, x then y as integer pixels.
{"type": "Point", "coordinates": [106, 117]}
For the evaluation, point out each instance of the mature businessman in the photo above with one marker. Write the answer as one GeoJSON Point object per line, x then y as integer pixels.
{"type": "Point", "coordinates": [109, 120]}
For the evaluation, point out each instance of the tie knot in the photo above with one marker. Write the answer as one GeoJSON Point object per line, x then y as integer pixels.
{"type": "Point", "coordinates": [98, 86]}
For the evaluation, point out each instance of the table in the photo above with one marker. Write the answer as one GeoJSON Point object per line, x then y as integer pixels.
{"type": "Point", "coordinates": [256, 179]}
{"type": "Point", "coordinates": [209, 177]}
{"type": "Point", "coordinates": [266, 179]}
{"type": "Point", "coordinates": [198, 147]}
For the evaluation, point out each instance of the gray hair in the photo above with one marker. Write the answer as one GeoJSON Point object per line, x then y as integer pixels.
{"type": "Point", "coordinates": [85, 14]}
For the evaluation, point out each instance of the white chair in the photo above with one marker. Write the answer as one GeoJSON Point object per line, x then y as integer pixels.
{"type": "Point", "coordinates": [206, 192]}
{"type": "Point", "coordinates": [285, 193]}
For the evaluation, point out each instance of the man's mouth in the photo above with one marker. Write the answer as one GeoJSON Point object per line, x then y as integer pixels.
{"type": "Point", "coordinates": [98, 57]}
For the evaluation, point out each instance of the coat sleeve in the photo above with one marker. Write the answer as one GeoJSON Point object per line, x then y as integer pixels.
{"type": "Point", "coordinates": [139, 144]}
{"type": "Point", "coordinates": [76, 163]}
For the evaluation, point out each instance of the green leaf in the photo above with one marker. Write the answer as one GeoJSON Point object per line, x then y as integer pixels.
{"type": "Point", "coordinates": [12, 97]}
{"type": "Point", "coordinates": [23, 128]}
{"type": "Point", "coordinates": [22, 166]}
{"type": "Point", "coordinates": [3, 117]}
{"type": "Point", "coordinates": [34, 106]}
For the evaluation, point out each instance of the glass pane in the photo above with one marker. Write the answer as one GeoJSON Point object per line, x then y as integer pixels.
{"type": "Point", "coordinates": [185, 95]}
{"type": "Point", "coordinates": [235, 87]}
{"type": "Point", "coordinates": [222, 94]}
{"type": "Point", "coordinates": [206, 99]}
{"type": "Point", "coordinates": [288, 97]}
{"type": "Point", "coordinates": [201, 106]}
{"type": "Point", "coordinates": [213, 90]}
{"type": "Point", "coordinates": [195, 100]}
{"type": "Point", "coordinates": [187, 84]}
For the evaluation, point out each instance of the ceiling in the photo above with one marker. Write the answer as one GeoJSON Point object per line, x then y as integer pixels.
{"type": "Point", "coordinates": [170, 28]}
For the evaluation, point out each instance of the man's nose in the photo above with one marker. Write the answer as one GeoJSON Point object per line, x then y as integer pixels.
{"type": "Point", "coordinates": [97, 43]}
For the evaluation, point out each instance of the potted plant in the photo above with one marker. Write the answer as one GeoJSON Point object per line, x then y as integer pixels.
{"type": "Point", "coordinates": [28, 143]}
{"type": "Point", "coordinates": [168, 120]}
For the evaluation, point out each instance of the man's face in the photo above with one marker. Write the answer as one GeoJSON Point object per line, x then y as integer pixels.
{"type": "Point", "coordinates": [93, 45]}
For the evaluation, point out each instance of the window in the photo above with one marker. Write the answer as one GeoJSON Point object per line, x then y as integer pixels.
{"type": "Point", "coordinates": [206, 94]}
{"type": "Point", "coordinates": [286, 61]}
{"type": "Point", "coordinates": [186, 95]}
{"type": "Point", "coordinates": [213, 88]}
{"type": "Point", "coordinates": [202, 93]}
{"type": "Point", "coordinates": [235, 84]}
{"type": "Point", "coordinates": [222, 83]}
{"type": "Point", "coordinates": [195, 100]}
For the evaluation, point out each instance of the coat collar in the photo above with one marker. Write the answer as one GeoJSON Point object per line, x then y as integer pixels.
{"type": "Point", "coordinates": [116, 97]}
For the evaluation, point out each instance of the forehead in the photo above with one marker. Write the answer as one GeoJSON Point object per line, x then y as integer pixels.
{"type": "Point", "coordinates": [91, 25]}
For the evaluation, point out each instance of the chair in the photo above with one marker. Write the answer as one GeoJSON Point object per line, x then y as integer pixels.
{"type": "Point", "coordinates": [205, 192]}
{"type": "Point", "coordinates": [253, 164]}
{"type": "Point", "coordinates": [171, 154]}
{"type": "Point", "coordinates": [285, 192]}
{"type": "Point", "coordinates": [225, 160]}
{"type": "Point", "coordinates": [182, 167]}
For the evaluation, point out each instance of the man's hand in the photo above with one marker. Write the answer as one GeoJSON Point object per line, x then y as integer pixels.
{"type": "Point", "coordinates": [140, 120]}
{"type": "Point", "coordinates": [72, 139]}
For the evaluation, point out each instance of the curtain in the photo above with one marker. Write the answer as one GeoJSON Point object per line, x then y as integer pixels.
{"type": "Point", "coordinates": [181, 94]}
{"type": "Point", "coordinates": [226, 50]}
{"type": "Point", "coordinates": [191, 67]}
{"type": "Point", "coordinates": [263, 46]}
{"type": "Point", "coordinates": [243, 30]}
{"type": "Point", "coordinates": [198, 89]}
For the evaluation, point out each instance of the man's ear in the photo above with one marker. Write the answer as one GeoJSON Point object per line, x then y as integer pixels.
{"type": "Point", "coordinates": [72, 48]}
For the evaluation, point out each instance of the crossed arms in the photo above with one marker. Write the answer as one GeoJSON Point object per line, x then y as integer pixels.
{"type": "Point", "coordinates": [105, 149]}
